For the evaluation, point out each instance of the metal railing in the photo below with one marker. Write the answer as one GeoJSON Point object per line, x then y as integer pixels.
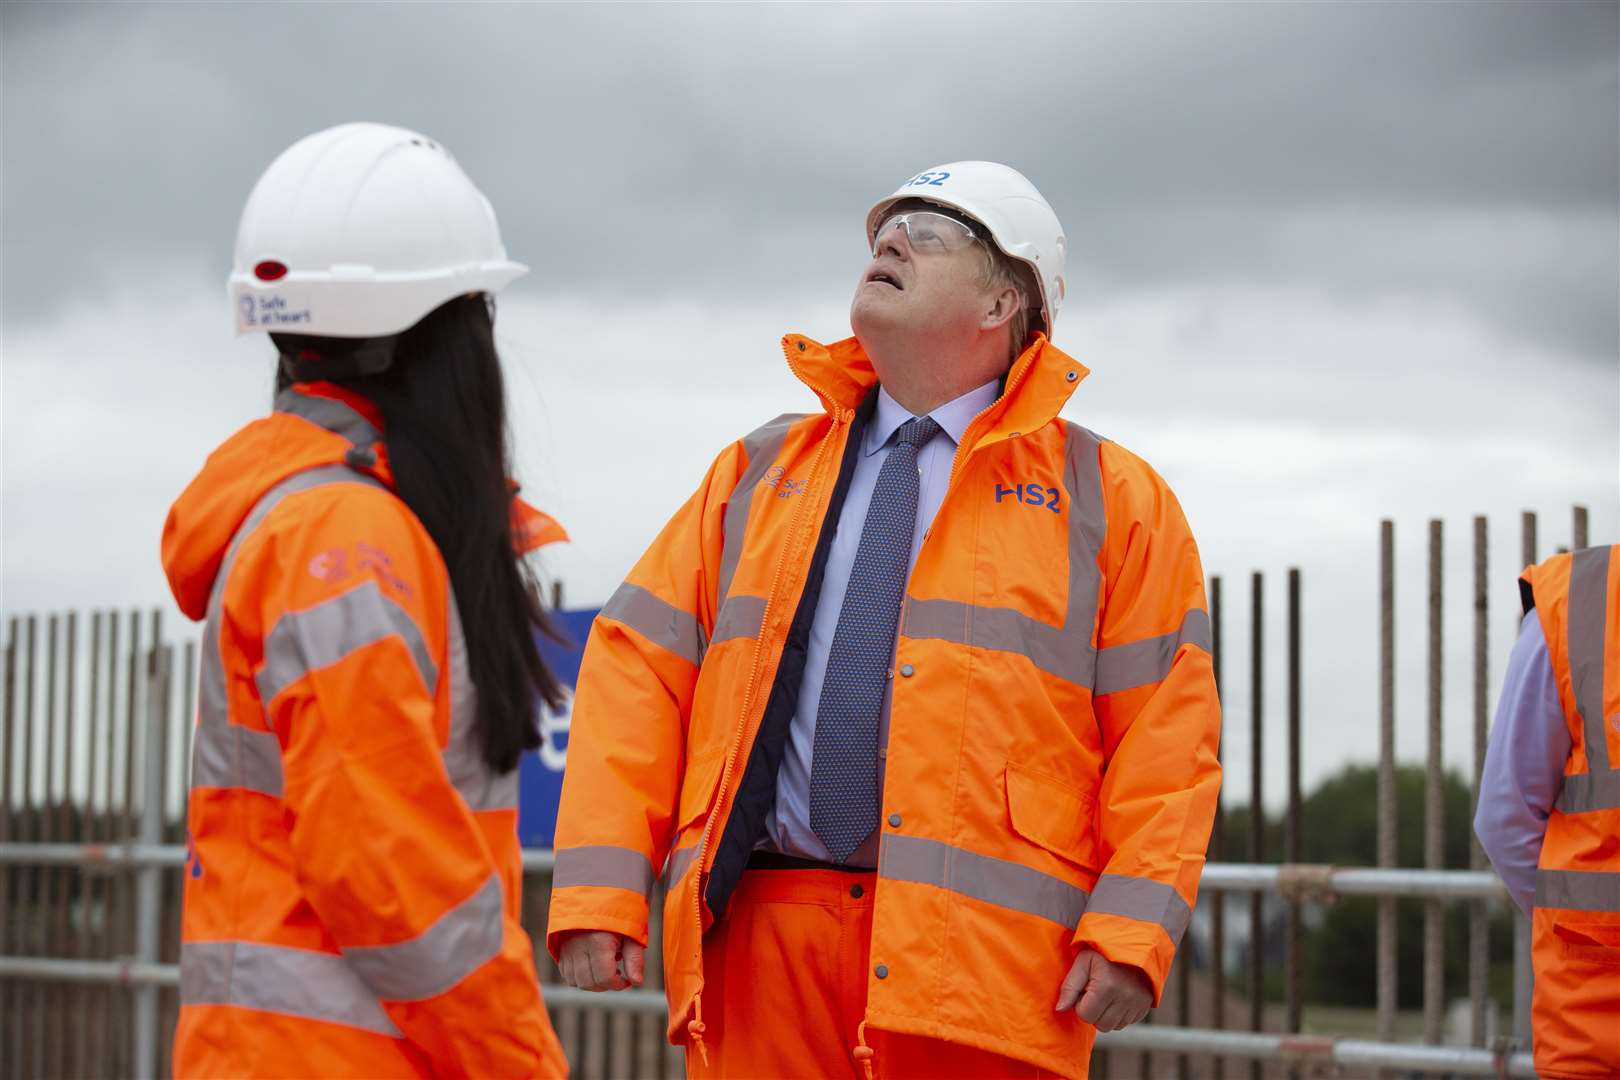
{"type": "Point", "coordinates": [93, 765]}
{"type": "Point", "coordinates": [1300, 881]}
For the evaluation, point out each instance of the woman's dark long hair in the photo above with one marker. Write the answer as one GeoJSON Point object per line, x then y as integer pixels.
{"type": "Point", "coordinates": [443, 403]}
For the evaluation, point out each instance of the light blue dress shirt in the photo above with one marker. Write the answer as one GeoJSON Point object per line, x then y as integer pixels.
{"type": "Point", "coordinates": [1524, 765]}
{"type": "Point", "coordinates": [787, 828]}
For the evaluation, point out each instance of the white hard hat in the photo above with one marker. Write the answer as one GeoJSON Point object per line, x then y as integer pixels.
{"type": "Point", "coordinates": [359, 231]}
{"type": "Point", "coordinates": [1005, 202]}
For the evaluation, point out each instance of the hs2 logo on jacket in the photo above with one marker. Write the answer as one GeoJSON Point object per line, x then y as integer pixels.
{"type": "Point", "coordinates": [1032, 495]}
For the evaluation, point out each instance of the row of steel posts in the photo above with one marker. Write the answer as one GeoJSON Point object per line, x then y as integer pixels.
{"type": "Point", "coordinates": [99, 755]}
{"type": "Point", "coordinates": [131, 915]}
{"type": "Point", "coordinates": [49, 1029]}
{"type": "Point", "coordinates": [1433, 817]}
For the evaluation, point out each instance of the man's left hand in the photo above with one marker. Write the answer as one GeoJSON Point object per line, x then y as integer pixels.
{"type": "Point", "coordinates": [1111, 996]}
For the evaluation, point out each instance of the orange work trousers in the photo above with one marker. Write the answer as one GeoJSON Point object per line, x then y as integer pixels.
{"type": "Point", "coordinates": [784, 990]}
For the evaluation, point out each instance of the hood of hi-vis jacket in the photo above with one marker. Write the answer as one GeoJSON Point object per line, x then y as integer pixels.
{"type": "Point", "coordinates": [1575, 924]}
{"type": "Point", "coordinates": [352, 885]}
{"type": "Point", "coordinates": [1051, 770]}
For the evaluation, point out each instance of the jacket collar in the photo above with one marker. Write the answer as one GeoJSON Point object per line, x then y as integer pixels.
{"type": "Point", "coordinates": [953, 417]}
{"type": "Point", "coordinates": [1038, 384]}
{"type": "Point", "coordinates": [315, 424]}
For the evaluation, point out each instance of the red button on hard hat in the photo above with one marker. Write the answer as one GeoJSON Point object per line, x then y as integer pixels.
{"type": "Point", "coordinates": [270, 270]}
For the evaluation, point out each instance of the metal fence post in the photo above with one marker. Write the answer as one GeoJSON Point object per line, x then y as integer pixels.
{"type": "Point", "coordinates": [1524, 976]}
{"type": "Point", "coordinates": [1579, 539]}
{"type": "Point", "coordinates": [1479, 959]}
{"type": "Point", "coordinates": [1217, 909]}
{"type": "Point", "coordinates": [149, 882]}
{"type": "Point", "coordinates": [1386, 775]}
{"type": "Point", "coordinates": [1434, 792]}
{"type": "Point", "coordinates": [1294, 843]}
{"type": "Point", "coordinates": [10, 1000]}
{"type": "Point", "coordinates": [1257, 810]}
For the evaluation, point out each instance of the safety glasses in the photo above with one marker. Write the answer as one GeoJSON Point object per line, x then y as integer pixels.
{"type": "Point", "coordinates": [928, 233]}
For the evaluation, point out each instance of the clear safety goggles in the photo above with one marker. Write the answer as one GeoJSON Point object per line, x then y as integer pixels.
{"type": "Point", "coordinates": [929, 233]}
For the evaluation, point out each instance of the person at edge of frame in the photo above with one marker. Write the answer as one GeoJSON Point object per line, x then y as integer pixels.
{"type": "Point", "coordinates": [1549, 805]}
{"type": "Point", "coordinates": [912, 702]}
{"type": "Point", "coordinates": [369, 666]}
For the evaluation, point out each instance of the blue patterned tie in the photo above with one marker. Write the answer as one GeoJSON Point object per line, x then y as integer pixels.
{"type": "Point", "coordinates": [844, 771]}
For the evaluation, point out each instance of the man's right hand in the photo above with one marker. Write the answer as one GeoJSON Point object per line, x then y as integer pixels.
{"type": "Point", "coordinates": [601, 960]}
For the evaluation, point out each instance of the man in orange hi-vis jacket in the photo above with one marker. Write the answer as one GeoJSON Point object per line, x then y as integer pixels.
{"type": "Point", "coordinates": [912, 702]}
{"type": "Point", "coordinates": [1549, 805]}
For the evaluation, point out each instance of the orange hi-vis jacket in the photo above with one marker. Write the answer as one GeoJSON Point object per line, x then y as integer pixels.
{"type": "Point", "coordinates": [1051, 772]}
{"type": "Point", "coordinates": [1576, 920]}
{"type": "Point", "coordinates": [352, 888]}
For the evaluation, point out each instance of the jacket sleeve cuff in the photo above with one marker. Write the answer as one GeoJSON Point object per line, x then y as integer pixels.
{"type": "Point", "coordinates": [1141, 945]}
{"type": "Point", "coordinates": [587, 908]}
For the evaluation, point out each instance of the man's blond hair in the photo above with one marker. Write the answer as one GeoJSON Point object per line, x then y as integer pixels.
{"type": "Point", "coordinates": [1002, 271]}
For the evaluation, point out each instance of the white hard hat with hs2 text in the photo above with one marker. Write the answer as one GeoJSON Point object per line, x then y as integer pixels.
{"type": "Point", "coordinates": [1021, 222]}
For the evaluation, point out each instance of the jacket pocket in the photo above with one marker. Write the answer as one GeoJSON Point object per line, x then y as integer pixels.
{"type": "Point", "coordinates": [1050, 813]}
{"type": "Point", "coordinates": [1591, 940]}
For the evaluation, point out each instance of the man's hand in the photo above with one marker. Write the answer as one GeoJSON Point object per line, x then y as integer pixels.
{"type": "Point", "coordinates": [1111, 996]}
{"type": "Point", "coordinates": [600, 960]}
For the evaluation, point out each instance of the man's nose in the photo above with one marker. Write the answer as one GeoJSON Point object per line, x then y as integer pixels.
{"type": "Point", "coordinates": [893, 242]}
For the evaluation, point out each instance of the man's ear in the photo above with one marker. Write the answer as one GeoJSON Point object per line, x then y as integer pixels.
{"type": "Point", "coordinates": [1004, 305]}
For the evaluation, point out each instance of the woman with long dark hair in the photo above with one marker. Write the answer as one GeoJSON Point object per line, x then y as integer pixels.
{"type": "Point", "coordinates": [369, 673]}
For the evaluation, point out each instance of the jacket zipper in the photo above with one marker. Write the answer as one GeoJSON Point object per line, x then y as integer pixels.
{"type": "Point", "coordinates": [695, 1027]}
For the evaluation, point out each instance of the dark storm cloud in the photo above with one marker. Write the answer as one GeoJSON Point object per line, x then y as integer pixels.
{"type": "Point", "coordinates": [1465, 152]}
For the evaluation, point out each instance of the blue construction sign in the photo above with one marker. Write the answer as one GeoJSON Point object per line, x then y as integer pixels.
{"type": "Point", "coordinates": [540, 772]}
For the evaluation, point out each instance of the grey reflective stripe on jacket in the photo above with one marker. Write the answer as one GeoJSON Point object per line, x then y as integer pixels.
{"type": "Point", "coordinates": [347, 989]}
{"type": "Point", "coordinates": [1598, 788]}
{"type": "Point", "coordinates": [661, 623]}
{"type": "Point", "coordinates": [1588, 629]}
{"type": "Point", "coordinates": [1145, 662]}
{"type": "Point", "coordinates": [603, 866]}
{"type": "Point", "coordinates": [1143, 899]}
{"type": "Point", "coordinates": [321, 635]}
{"type": "Point", "coordinates": [459, 942]}
{"type": "Point", "coordinates": [275, 978]}
{"type": "Point", "coordinates": [985, 878]}
{"type": "Point", "coordinates": [1578, 890]}
{"type": "Point", "coordinates": [225, 754]}
{"type": "Point", "coordinates": [741, 615]}
{"type": "Point", "coordinates": [328, 413]}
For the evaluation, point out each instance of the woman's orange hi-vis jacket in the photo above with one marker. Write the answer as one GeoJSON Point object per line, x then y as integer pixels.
{"type": "Point", "coordinates": [352, 888]}
{"type": "Point", "coordinates": [1051, 773]}
{"type": "Point", "coordinates": [1575, 942]}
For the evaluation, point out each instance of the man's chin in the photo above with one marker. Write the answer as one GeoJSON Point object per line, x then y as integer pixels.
{"type": "Point", "coordinates": [873, 315]}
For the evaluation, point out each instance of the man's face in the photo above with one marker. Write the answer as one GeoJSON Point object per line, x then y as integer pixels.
{"type": "Point", "coordinates": [926, 278]}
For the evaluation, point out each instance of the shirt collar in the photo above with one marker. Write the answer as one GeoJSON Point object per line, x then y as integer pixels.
{"type": "Point", "coordinates": [953, 417]}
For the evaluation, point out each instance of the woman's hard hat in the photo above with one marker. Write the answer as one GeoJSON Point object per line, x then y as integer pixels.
{"type": "Point", "coordinates": [359, 231]}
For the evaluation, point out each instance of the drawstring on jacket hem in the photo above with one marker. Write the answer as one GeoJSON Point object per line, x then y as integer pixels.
{"type": "Point", "coordinates": [695, 1029]}
{"type": "Point", "coordinates": [863, 1053]}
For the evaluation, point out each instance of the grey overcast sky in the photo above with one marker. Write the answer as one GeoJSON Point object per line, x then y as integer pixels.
{"type": "Point", "coordinates": [1330, 263]}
